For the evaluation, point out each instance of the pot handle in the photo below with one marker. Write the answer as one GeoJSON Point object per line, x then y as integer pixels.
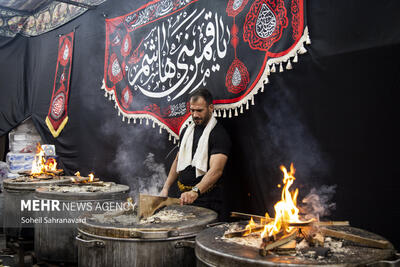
{"type": "Point", "coordinates": [90, 243]}
{"type": "Point", "coordinates": [387, 263]}
{"type": "Point", "coordinates": [185, 244]}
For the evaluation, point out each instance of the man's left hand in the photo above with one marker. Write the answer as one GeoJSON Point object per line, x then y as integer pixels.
{"type": "Point", "coordinates": [188, 197]}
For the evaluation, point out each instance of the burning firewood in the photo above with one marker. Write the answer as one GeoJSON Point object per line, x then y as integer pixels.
{"type": "Point", "coordinates": [310, 222]}
{"type": "Point", "coordinates": [268, 245]}
{"type": "Point", "coordinates": [244, 232]}
{"type": "Point", "coordinates": [313, 236]}
{"type": "Point", "coordinates": [78, 179]}
{"type": "Point", "coordinates": [288, 248]}
{"type": "Point", "coordinates": [256, 218]}
{"type": "Point", "coordinates": [356, 239]}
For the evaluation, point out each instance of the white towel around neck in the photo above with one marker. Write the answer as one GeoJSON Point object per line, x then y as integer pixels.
{"type": "Point", "coordinates": [200, 158]}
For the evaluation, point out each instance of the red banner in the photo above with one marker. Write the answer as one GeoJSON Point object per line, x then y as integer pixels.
{"type": "Point", "coordinates": [161, 52]}
{"type": "Point", "coordinates": [57, 116]}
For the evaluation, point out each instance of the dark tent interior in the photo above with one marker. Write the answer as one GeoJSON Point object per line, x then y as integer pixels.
{"type": "Point", "coordinates": [333, 115]}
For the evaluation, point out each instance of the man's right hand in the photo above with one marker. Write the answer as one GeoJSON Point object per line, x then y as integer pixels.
{"type": "Point", "coordinates": [164, 193]}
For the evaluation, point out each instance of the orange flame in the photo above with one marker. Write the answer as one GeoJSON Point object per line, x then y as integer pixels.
{"type": "Point", "coordinates": [84, 180]}
{"type": "Point", "coordinates": [40, 165]}
{"type": "Point", "coordinates": [91, 177]}
{"type": "Point", "coordinates": [285, 210]}
{"type": "Point", "coordinates": [250, 227]}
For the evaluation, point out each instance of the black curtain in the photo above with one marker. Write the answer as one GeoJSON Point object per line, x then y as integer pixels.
{"type": "Point", "coordinates": [334, 115]}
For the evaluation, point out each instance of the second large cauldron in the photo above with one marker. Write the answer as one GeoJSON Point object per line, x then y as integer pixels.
{"type": "Point", "coordinates": [213, 250]}
{"type": "Point", "coordinates": [55, 242]}
{"type": "Point", "coordinates": [152, 243]}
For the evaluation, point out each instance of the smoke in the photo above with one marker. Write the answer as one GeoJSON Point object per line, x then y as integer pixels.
{"type": "Point", "coordinates": [153, 183]}
{"type": "Point", "coordinates": [288, 137]}
{"type": "Point", "coordinates": [317, 203]}
{"type": "Point", "coordinates": [135, 160]}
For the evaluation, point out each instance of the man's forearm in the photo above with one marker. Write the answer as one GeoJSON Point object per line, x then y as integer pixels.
{"type": "Point", "coordinates": [217, 164]}
{"type": "Point", "coordinates": [209, 179]}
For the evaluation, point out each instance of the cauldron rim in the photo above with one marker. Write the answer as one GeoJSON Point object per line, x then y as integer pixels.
{"type": "Point", "coordinates": [207, 251]}
{"type": "Point", "coordinates": [154, 231]}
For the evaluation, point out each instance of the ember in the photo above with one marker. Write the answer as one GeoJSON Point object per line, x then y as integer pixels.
{"type": "Point", "coordinates": [78, 179]}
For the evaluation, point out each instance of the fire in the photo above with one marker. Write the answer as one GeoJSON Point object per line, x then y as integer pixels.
{"type": "Point", "coordinates": [250, 227]}
{"type": "Point", "coordinates": [81, 179]}
{"type": "Point", "coordinates": [91, 177]}
{"type": "Point", "coordinates": [40, 165]}
{"type": "Point", "coordinates": [285, 210]}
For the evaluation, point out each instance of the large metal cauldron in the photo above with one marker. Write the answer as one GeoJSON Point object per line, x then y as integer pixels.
{"type": "Point", "coordinates": [211, 250]}
{"type": "Point", "coordinates": [55, 242]}
{"type": "Point", "coordinates": [14, 192]}
{"type": "Point", "coordinates": [150, 244]}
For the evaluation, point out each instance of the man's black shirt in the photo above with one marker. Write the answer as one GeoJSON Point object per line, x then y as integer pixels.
{"type": "Point", "coordinates": [218, 142]}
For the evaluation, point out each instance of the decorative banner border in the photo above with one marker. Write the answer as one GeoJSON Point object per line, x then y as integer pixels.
{"type": "Point", "coordinates": [57, 116]}
{"type": "Point", "coordinates": [156, 55]}
{"type": "Point", "coordinates": [52, 16]}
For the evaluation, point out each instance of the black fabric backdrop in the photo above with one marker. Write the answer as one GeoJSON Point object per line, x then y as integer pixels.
{"type": "Point", "coordinates": [334, 115]}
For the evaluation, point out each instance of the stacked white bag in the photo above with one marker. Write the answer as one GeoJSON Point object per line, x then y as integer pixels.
{"type": "Point", "coordinates": [22, 145]}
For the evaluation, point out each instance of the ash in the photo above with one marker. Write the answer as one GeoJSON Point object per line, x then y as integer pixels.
{"type": "Point", "coordinates": [105, 187]}
{"type": "Point", "coordinates": [28, 179]}
{"type": "Point", "coordinates": [123, 219]}
{"type": "Point", "coordinates": [129, 218]}
{"type": "Point", "coordinates": [252, 240]}
{"type": "Point", "coordinates": [333, 251]}
{"type": "Point", "coordinates": [167, 216]}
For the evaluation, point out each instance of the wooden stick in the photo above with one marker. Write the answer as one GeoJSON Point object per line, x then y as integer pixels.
{"type": "Point", "coordinates": [312, 222]}
{"type": "Point", "coordinates": [259, 218]}
{"type": "Point", "coordinates": [243, 232]}
{"type": "Point", "coordinates": [333, 223]}
{"type": "Point", "coordinates": [305, 223]}
{"type": "Point", "coordinates": [248, 216]}
{"type": "Point", "coordinates": [285, 239]}
{"type": "Point", "coordinates": [357, 239]}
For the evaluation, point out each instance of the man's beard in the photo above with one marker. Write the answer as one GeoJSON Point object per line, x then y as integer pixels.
{"type": "Point", "coordinates": [202, 122]}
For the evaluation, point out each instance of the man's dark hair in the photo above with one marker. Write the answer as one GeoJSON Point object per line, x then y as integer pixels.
{"type": "Point", "coordinates": [204, 93]}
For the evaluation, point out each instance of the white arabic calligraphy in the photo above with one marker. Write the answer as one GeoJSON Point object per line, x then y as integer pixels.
{"type": "Point", "coordinates": [179, 55]}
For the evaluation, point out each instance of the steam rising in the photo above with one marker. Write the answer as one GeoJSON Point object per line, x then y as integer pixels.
{"type": "Point", "coordinates": [152, 184]}
{"type": "Point", "coordinates": [135, 160]}
{"type": "Point", "coordinates": [317, 203]}
{"type": "Point", "coordinates": [288, 138]}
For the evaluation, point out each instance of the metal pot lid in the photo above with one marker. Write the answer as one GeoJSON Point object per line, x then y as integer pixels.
{"type": "Point", "coordinates": [212, 249]}
{"type": "Point", "coordinates": [195, 219]}
{"type": "Point", "coordinates": [109, 190]}
{"type": "Point", "coordinates": [24, 184]}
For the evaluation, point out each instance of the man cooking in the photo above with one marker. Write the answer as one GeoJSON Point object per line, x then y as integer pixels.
{"type": "Point", "coordinates": [203, 152]}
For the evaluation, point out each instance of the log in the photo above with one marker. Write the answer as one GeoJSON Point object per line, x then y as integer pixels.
{"type": "Point", "coordinates": [313, 236]}
{"type": "Point", "coordinates": [288, 246]}
{"type": "Point", "coordinates": [246, 216]}
{"type": "Point", "coordinates": [287, 249]}
{"type": "Point", "coordinates": [259, 218]}
{"type": "Point", "coordinates": [243, 232]}
{"type": "Point", "coordinates": [84, 180]}
{"type": "Point", "coordinates": [356, 239]}
{"type": "Point", "coordinates": [333, 223]}
{"type": "Point", "coordinates": [285, 239]}
{"type": "Point", "coordinates": [304, 223]}
{"type": "Point", "coordinates": [314, 223]}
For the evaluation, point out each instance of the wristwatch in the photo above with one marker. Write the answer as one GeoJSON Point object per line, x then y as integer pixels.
{"type": "Point", "coordinates": [196, 189]}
